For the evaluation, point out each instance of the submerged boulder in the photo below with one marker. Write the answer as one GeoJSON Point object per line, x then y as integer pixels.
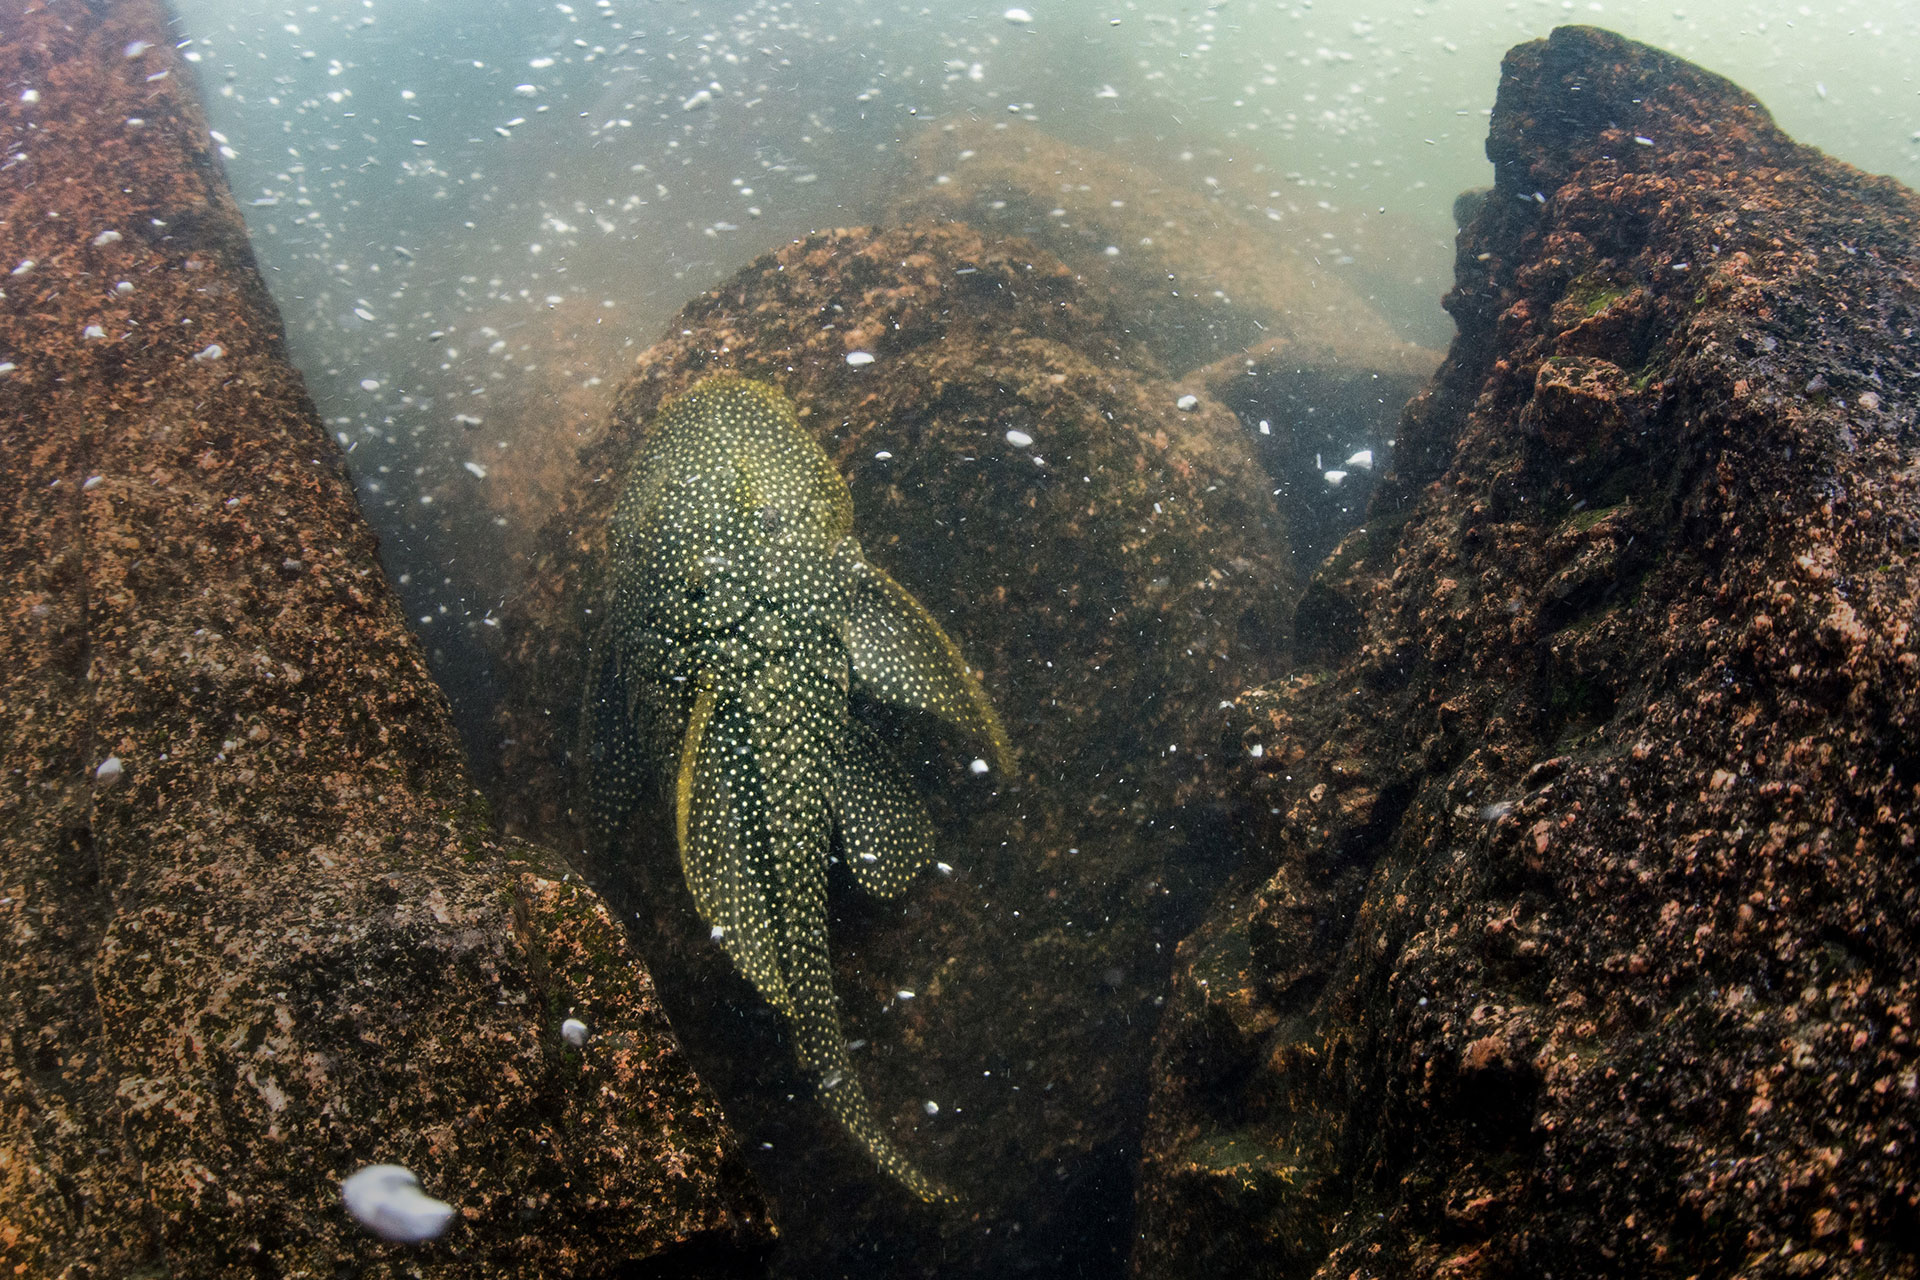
{"type": "Point", "coordinates": [1114, 566]}
{"type": "Point", "coordinates": [1584, 938]}
{"type": "Point", "coordinates": [257, 934]}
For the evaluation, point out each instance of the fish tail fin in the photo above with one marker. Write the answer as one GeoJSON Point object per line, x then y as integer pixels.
{"type": "Point", "coordinates": [822, 1050]}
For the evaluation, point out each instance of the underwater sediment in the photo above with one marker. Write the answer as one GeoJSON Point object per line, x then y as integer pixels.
{"type": "Point", "coordinates": [1582, 940]}
{"type": "Point", "coordinates": [257, 930]}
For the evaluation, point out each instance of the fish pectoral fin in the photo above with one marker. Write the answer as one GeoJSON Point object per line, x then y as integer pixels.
{"type": "Point", "coordinates": [720, 816]}
{"type": "Point", "coordinates": [884, 830]}
{"type": "Point", "coordinates": [902, 656]}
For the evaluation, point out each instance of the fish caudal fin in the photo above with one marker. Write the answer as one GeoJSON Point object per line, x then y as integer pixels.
{"type": "Point", "coordinates": [822, 1050]}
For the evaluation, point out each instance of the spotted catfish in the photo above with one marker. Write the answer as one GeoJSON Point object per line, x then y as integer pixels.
{"type": "Point", "coordinates": [739, 615]}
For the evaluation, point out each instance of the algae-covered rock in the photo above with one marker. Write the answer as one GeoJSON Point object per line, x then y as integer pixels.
{"type": "Point", "coordinates": [1115, 568]}
{"type": "Point", "coordinates": [256, 931]}
{"type": "Point", "coordinates": [1584, 941]}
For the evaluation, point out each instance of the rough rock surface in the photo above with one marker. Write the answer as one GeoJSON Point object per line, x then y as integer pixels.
{"type": "Point", "coordinates": [255, 932]}
{"type": "Point", "coordinates": [1586, 941]}
{"type": "Point", "coordinates": [1245, 308]}
{"type": "Point", "coordinates": [1115, 566]}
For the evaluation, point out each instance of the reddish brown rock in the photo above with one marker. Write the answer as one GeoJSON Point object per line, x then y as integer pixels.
{"type": "Point", "coordinates": [1585, 943]}
{"type": "Point", "coordinates": [1115, 566]}
{"type": "Point", "coordinates": [256, 931]}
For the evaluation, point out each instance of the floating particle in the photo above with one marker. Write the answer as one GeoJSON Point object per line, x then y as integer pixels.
{"type": "Point", "coordinates": [387, 1200]}
{"type": "Point", "coordinates": [979, 766]}
{"type": "Point", "coordinates": [1018, 17]}
{"type": "Point", "coordinates": [1363, 460]}
{"type": "Point", "coordinates": [1334, 478]}
{"type": "Point", "coordinates": [717, 933]}
{"type": "Point", "coordinates": [1496, 811]}
{"type": "Point", "coordinates": [108, 772]}
{"type": "Point", "coordinates": [904, 994]}
{"type": "Point", "coordinates": [944, 868]}
{"type": "Point", "coordinates": [857, 358]}
{"type": "Point", "coordinates": [30, 96]}
{"type": "Point", "coordinates": [107, 237]}
{"type": "Point", "coordinates": [527, 90]}
{"type": "Point", "coordinates": [363, 313]}
{"type": "Point", "coordinates": [135, 49]}
{"type": "Point", "coordinates": [212, 351]}
{"type": "Point", "coordinates": [26, 265]}
{"type": "Point", "coordinates": [931, 1107]}
{"type": "Point", "coordinates": [1187, 403]}
{"type": "Point", "coordinates": [574, 1032]}
{"type": "Point", "coordinates": [1019, 439]}
{"type": "Point", "coordinates": [1643, 140]}
{"type": "Point", "coordinates": [369, 384]}
{"type": "Point", "coordinates": [7, 366]}
{"type": "Point", "coordinates": [1112, 251]}
{"type": "Point", "coordinates": [479, 472]}
{"type": "Point", "coordinates": [1266, 428]}
{"type": "Point", "coordinates": [124, 287]}
{"type": "Point", "coordinates": [700, 99]}
{"type": "Point", "coordinates": [91, 483]}
{"type": "Point", "coordinates": [93, 331]}
{"type": "Point", "coordinates": [883, 455]}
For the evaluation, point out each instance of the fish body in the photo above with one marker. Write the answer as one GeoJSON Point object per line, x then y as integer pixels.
{"type": "Point", "coordinates": [739, 616]}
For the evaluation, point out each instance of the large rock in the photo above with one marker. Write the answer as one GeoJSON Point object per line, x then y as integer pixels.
{"type": "Point", "coordinates": [256, 931]}
{"type": "Point", "coordinates": [1239, 296]}
{"type": "Point", "coordinates": [1585, 940]}
{"type": "Point", "coordinates": [1116, 567]}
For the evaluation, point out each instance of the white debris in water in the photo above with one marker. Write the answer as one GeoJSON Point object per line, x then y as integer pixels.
{"type": "Point", "coordinates": [1363, 460]}
{"type": "Point", "coordinates": [1266, 428]}
{"type": "Point", "coordinates": [1643, 140]}
{"type": "Point", "coordinates": [1018, 17]}
{"type": "Point", "coordinates": [869, 857]}
{"type": "Point", "coordinates": [1334, 478]}
{"type": "Point", "coordinates": [107, 237]}
{"type": "Point", "coordinates": [387, 1200]}
{"type": "Point", "coordinates": [479, 472]}
{"type": "Point", "coordinates": [369, 384]}
{"type": "Point", "coordinates": [91, 483]}
{"type": "Point", "coordinates": [700, 99]}
{"type": "Point", "coordinates": [30, 96]}
{"type": "Point", "coordinates": [26, 265]}
{"type": "Point", "coordinates": [944, 868]}
{"type": "Point", "coordinates": [858, 358]}
{"type": "Point", "coordinates": [1496, 811]}
{"type": "Point", "coordinates": [904, 994]}
{"type": "Point", "coordinates": [108, 772]}
{"type": "Point", "coordinates": [123, 288]}
{"type": "Point", "coordinates": [527, 90]}
{"type": "Point", "coordinates": [979, 766]}
{"type": "Point", "coordinates": [212, 351]}
{"type": "Point", "coordinates": [93, 331]}
{"type": "Point", "coordinates": [7, 366]}
{"type": "Point", "coordinates": [135, 49]}
{"type": "Point", "coordinates": [574, 1032]}
{"type": "Point", "coordinates": [931, 1107]}
{"type": "Point", "coordinates": [1019, 439]}
{"type": "Point", "coordinates": [718, 932]}
{"type": "Point", "coordinates": [883, 455]}
{"type": "Point", "coordinates": [1187, 403]}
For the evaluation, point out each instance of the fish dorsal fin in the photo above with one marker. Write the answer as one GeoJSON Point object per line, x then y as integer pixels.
{"type": "Point", "coordinates": [901, 655]}
{"type": "Point", "coordinates": [884, 829]}
{"type": "Point", "coordinates": [721, 817]}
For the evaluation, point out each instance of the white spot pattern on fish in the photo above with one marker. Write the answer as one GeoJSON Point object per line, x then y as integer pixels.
{"type": "Point", "coordinates": [740, 612]}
